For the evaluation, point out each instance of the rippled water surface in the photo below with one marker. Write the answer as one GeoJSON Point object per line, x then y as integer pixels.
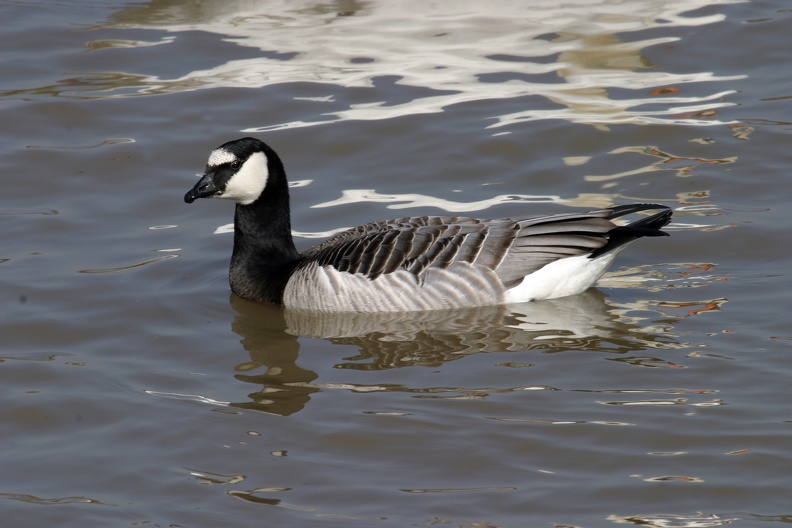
{"type": "Point", "coordinates": [137, 391]}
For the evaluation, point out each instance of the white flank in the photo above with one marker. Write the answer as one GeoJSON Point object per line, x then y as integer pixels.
{"type": "Point", "coordinates": [324, 289]}
{"type": "Point", "coordinates": [567, 276]}
{"type": "Point", "coordinates": [246, 185]}
{"type": "Point", "coordinates": [220, 156]}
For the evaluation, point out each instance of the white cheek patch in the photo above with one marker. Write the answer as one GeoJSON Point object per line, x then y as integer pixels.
{"type": "Point", "coordinates": [248, 183]}
{"type": "Point", "coordinates": [220, 156]}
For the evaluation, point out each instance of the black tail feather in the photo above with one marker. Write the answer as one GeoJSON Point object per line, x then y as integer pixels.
{"type": "Point", "coordinates": [649, 226]}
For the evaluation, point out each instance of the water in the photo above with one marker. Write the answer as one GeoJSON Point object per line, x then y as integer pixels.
{"type": "Point", "coordinates": [137, 391]}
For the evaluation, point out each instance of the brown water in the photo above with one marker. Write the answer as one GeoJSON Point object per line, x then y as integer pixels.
{"type": "Point", "coordinates": [136, 391]}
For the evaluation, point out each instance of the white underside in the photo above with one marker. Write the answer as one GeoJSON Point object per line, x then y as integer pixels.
{"type": "Point", "coordinates": [324, 289]}
{"type": "Point", "coordinates": [567, 276]}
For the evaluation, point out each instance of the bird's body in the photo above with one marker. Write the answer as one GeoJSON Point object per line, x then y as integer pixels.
{"type": "Point", "coordinates": [406, 264]}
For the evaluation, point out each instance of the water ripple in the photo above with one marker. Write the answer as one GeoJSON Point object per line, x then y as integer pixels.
{"type": "Point", "coordinates": [410, 200]}
{"type": "Point", "coordinates": [32, 499]}
{"type": "Point", "coordinates": [421, 58]}
{"type": "Point", "coordinates": [103, 143]}
{"type": "Point", "coordinates": [130, 266]}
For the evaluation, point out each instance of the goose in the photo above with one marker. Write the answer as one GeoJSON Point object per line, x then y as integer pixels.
{"type": "Point", "coordinates": [407, 264]}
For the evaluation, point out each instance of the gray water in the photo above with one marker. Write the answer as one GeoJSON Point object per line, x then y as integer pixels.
{"type": "Point", "coordinates": [137, 391]}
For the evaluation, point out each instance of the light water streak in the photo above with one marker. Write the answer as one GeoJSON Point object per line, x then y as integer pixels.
{"type": "Point", "coordinates": [424, 57]}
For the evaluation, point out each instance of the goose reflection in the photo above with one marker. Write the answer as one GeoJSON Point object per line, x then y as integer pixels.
{"type": "Point", "coordinates": [585, 322]}
{"type": "Point", "coordinates": [285, 385]}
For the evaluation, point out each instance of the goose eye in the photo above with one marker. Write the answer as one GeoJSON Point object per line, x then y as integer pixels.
{"type": "Point", "coordinates": [236, 164]}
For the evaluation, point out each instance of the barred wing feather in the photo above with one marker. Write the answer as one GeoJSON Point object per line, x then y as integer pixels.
{"type": "Point", "coordinates": [512, 248]}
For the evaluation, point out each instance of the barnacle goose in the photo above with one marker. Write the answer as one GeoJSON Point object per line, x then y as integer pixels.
{"type": "Point", "coordinates": [406, 264]}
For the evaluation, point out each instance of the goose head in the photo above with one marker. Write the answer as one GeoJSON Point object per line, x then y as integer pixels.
{"type": "Point", "coordinates": [238, 170]}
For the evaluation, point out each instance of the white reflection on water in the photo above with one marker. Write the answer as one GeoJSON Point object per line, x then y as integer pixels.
{"type": "Point", "coordinates": [568, 53]}
{"type": "Point", "coordinates": [411, 200]}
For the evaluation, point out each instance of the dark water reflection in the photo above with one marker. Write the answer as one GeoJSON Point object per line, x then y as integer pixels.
{"type": "Point", "coordinates": [585, 322]}
{"type": "Point", "coordinates": [285, 386]}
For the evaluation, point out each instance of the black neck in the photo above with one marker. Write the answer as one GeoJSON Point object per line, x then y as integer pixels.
{"type": "Point", "coordinates": [264, 254]}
